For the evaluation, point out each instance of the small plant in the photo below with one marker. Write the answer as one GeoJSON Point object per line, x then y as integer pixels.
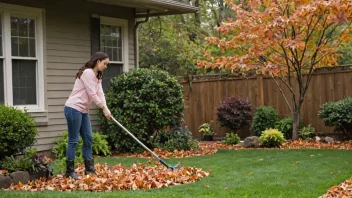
{"type": "Point", "coordinates": [285, 125]}
{"type": "Point", "coordinates": [306, 133]}
{"type": "Point", "coordinates": [11, 164]}
{"type": "Point", "coordinates": [232, 138]}
{"type": "Point", "coordinates": [100, 146]}
{"type": "Point", "coordinates": [206, 129]}
{"type": "Point", "coordinates": [271, 138]}
{"type": "Point", "coordinates": [17, 131]}
{"type": "Point", "coordinates": [41, 164]}
{"type": "Point", "coordinates": [177, 138]}
{"type": "Point", "coordinates": [264, 118]}
{"type": "Point", "coordinates": [234, 113]}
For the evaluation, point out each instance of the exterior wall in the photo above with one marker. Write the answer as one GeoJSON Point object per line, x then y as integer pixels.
{"type": "Point", "coordinates": [67, 47]}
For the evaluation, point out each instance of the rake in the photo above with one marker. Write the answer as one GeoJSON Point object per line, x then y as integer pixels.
{"type": "Point", "coordinates": [155, 155]}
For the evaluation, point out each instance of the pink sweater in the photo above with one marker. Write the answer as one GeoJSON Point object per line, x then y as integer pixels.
{"type": "Point", "coordinates": [86, 89]}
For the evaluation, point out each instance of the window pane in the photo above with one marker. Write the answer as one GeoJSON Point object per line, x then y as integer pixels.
{"type": "Point", "coordinates": [31, 28]}
{"type": "Point", "coordinates": [14, 26]}
{"type": "Point", "coordinates": [109, 52]}
{"type": "Point", "coordinates": [14, 46]}
{"type": "Point", "coordinates": [23, 46]}
{"type": "Point", "coordinates": [111, 71]}
{"type": "Point", "coordinates": [2, 88]}
{"type": "Point", "coordinates": [24, 82]}
{"type": "Point", "coordinates": [31, 47]}
{"type": "Point", "coordinates": [23, 37]}
{"type": "Point", "coordinates": [23, 27]}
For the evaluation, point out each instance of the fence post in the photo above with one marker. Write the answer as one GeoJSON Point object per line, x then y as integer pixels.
{"type": "Point", "coordinates": [260, 90]}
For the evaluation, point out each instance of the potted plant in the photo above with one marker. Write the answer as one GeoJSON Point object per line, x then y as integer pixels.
{"type": "Point", "coordinates": [40, 168]}
{"type": "Point", "coordinates": [207, 131]}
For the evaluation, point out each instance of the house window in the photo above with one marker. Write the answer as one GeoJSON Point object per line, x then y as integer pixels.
{"type": "Point", "coordinates": [114, 42]}
{"type": "Point", "coordinates": [21, 57]}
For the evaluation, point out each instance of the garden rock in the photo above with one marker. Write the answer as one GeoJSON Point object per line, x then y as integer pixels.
{"type": "Point", "coordinates": [317, 138]}
{"type": "Point", "coordinates": [250, 142]}
{"type": "Point", "coordinates": [5, 181]}
{"type": "Point", "coordinates": [20, 176]}
{"type": "Point", "coordinates": [329, 139]}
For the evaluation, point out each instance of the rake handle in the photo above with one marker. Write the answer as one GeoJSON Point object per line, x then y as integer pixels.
{"type": "Point", "coordinates": [129, 133]}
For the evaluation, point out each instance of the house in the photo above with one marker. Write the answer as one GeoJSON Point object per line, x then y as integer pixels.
{"type": "Point", "coordinates": [43, 43]}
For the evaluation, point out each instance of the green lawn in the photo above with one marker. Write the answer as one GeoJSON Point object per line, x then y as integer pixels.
{"type": "Point", "coordinates": [274, 173]}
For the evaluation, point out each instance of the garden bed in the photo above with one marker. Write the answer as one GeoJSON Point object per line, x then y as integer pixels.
{"type": "Point", "coordinates": [211, 147]}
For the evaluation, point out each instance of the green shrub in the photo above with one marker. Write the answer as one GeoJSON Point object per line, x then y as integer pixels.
{"type": "Point", "coordinates": [285, 125]}
{"type": "Point", "coordinates": [17, 131]}
{"type": "Point", "coordinates": [271, 138]}
{"type": "Point", "coordinates": [231, 138]}
{"type": "Point", "coordinates": [307, 132]}
{"type": "Point", "coordinates": [99, 147]}
{"type": "Point", "coordinates": [206, 129]}
{"type": "Point", "coordinates": [145, 102]}
{"type": "Point", "coordinates": [339, 115]}
{"type": "Point", "coordinates": [234, 113]}
{"type": "Point", "coordinates": [264, 118]}
{"type": "Point", "coordinates": [177, 138]}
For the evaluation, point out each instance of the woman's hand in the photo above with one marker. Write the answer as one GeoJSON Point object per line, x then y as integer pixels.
{"type": "Point", "coordinates": [107, 112]}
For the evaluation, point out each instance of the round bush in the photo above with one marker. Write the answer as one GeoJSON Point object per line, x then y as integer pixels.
{"type": "Point", "coordinates": [177, 138]}
{"type": "Point", "coordinates": [264, 118]}
{"type": "Point", "coordinates": [338, 114]}
{"type": "Point", "coordinates": [145, 102]}
{"type": "Point", "coordinates": [17, 131]}
{"type": "Point", "coordinates": [234, 113]}
{"type": "Point", "coordinates": [271, 138]}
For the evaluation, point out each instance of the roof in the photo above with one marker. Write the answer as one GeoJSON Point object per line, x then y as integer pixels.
{"type": "Point", "coordinates": [155, 7]}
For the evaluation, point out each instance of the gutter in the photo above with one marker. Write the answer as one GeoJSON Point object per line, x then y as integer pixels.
{"type": "Point", "coordinates": [136, 44]}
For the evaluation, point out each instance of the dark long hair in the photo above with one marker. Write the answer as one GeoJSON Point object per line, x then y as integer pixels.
{"type": "Point", "coordinates": [92, 63]}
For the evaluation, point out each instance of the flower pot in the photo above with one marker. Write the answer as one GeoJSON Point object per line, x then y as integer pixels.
{"type": "Point", "coordinates": [208, 138]}
{"type": "Point", "coordinates": [40, 174]}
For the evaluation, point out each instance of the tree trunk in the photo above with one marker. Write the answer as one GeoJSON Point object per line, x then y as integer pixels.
{"type": "Point", "coordinates": [296, 118]}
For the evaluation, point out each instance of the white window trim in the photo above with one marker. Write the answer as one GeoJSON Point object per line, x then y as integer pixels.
{"type": "Point", "coordinates": [6, 11]}
{"type": "Point", "coordinates": [123, 23]}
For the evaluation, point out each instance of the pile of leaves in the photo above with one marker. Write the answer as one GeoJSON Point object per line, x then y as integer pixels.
{"type": "Point", "coordinates": [297, 144]}
{"type": "Point", "coordinates": [202, 150]}
{"type": "Point", "coordinates": [117, 177]}
{"type": "Point", "coordinates": [343, 190]}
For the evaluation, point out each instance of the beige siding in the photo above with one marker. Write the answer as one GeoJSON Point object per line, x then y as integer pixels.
{"type": "Point", "coordinates": [67, 48]}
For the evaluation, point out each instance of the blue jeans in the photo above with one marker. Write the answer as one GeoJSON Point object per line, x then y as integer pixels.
{"type": "Point", "coordinates": [78, 123]}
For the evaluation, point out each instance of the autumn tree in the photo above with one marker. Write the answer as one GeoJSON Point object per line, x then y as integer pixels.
{"type": "Point", "coordinates": [286, 39]}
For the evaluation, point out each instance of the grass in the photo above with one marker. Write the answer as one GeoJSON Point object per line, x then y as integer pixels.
{"type": "Point", "coordinates": [243, 173]}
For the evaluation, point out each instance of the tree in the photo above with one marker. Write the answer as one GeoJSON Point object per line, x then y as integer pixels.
{"type": "Point", "coordinates": [286, 39]}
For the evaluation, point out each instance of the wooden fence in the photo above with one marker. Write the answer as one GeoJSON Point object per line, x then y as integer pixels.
{"type": "Point", "coordinates": [206, 94]}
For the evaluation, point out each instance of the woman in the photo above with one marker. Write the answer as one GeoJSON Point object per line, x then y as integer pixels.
{"type": "Point", "coordinates": [87, 89]}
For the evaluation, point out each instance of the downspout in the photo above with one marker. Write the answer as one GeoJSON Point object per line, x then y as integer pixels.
{"type": "Point", "coordinates": [136, 46]}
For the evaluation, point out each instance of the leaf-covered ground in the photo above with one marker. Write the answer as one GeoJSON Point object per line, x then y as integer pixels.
{"type": "Point", "coordinates": [344, 190]}
{"type": "Point", "coordinates": [118, 177]}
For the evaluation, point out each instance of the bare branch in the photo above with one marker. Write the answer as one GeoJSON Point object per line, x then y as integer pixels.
{"type": "Point", "coordinates": [283, 94]}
